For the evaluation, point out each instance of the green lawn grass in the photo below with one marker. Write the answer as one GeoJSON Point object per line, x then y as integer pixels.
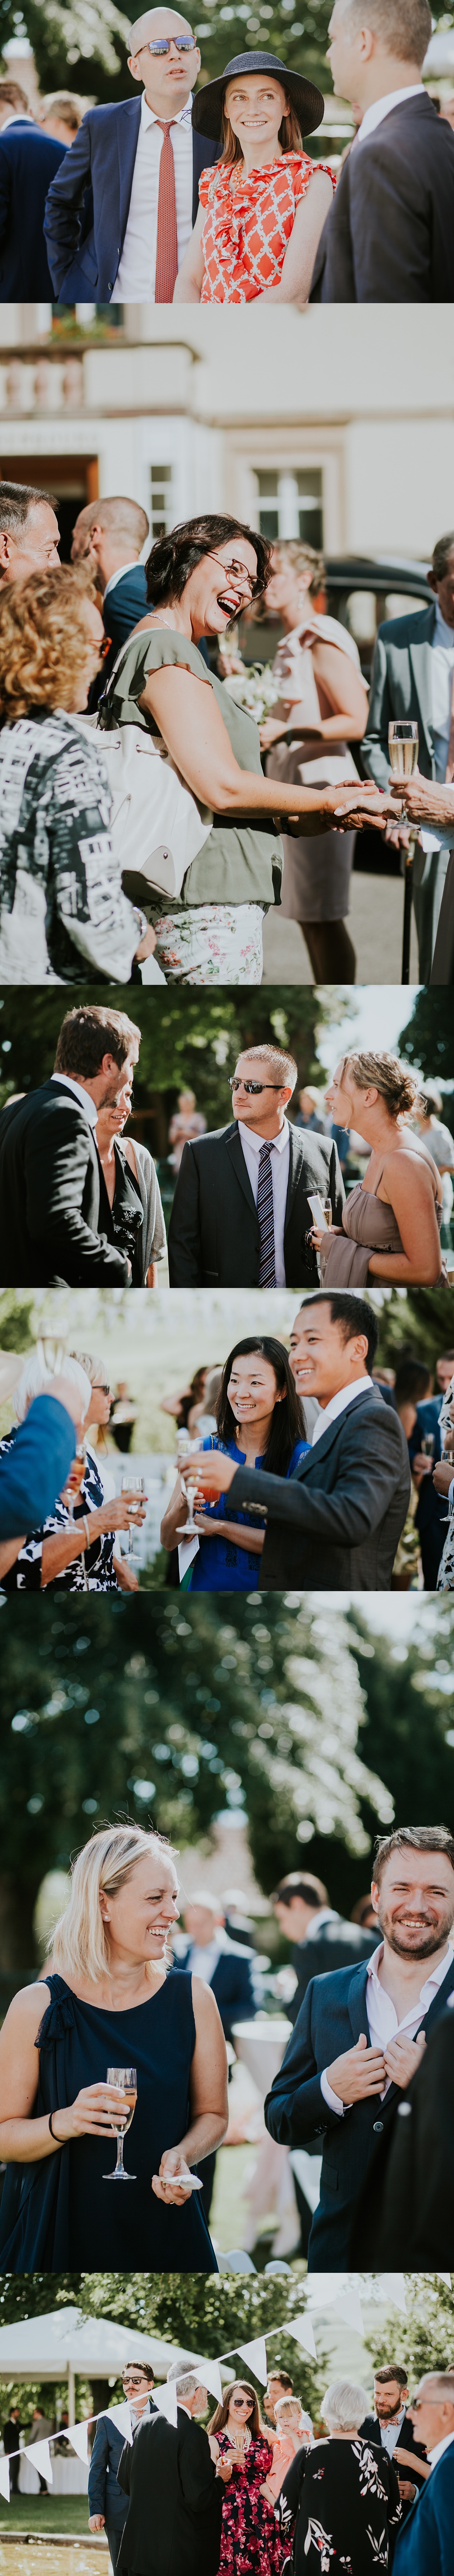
{"type": "Point", "coordinates": [45, 2514]}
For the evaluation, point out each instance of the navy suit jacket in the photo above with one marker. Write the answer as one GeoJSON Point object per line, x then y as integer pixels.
{"type": "Point", "coordinates": [104, 2493]}
{"type": "Point", "coordinates": [424, 2547]}
{"type": "Point", "coordinates": [29, 160]}
{"type": "Point", "coordinates": [85, 243]}
{"type": "Point", "coordinates": [231, 1983]}
{"type": "Point", "coordinates": [330, 2021]}
{"type": "Point", "coordinates": [332, 1945]}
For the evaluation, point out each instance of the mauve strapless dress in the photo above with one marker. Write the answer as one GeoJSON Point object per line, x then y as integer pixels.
{"type": "Point", "coordinates": [368, 1225]}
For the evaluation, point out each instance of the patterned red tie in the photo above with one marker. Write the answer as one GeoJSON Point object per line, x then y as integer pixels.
{"type": "Point", "coordinates": [166, 244]}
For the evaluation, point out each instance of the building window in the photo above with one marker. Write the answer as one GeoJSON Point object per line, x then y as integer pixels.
{"type": "Point", "coordinates": [161, 500]}
{"type": "Point", "coordinates": [290, 504]}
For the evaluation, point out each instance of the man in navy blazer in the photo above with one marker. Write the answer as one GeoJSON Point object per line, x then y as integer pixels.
{"type": "Point", "coordinates": [107, 2504]}
{"type": "Point", "coordinates": [109, 536]}
{"type": "Point", "coordinates": [206, 1949]}
{"type": "Point", "coordinates": [424, 2546]}
{"type": "Point", "coordinates": [29, 160]}
{"type": "Point", "coordinates": [87, 245]}
{"type": "Point", "coordinates": [360, 2035]}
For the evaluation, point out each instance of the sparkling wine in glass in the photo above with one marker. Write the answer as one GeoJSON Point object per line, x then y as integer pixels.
{"type": "Point", "coordinates": [125, 2080]}
{"type": "Point", "coordinates": [447, 1460]}
{"type": "Point", "coordinates": [327, 1211]}
{"type": "Point", "coordinates": [403, 747]}
{"type": "Point", "coordinates": [428, 1444]}
{"type": "Point", "coordinates": [188, 1480]}
{"type": "Point", "coordinates": [135, 1487]}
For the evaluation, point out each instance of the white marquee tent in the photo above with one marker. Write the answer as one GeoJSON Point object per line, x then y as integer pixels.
{"type": "Point", "coordinates": [67, 2344]}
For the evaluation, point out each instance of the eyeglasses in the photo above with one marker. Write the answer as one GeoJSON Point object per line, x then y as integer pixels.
{"type": "Point", "coordinates": [249, 580]}
{"type": "Point", "coordinates": [101, 1390]}
{"type": "Point", "coordinates": [236, 1084]}
{"type": "Point", "coordinates": [162, 45]}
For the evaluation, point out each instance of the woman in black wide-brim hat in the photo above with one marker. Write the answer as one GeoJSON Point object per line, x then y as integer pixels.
{"type": "Point", "coordinates": [263, 206]}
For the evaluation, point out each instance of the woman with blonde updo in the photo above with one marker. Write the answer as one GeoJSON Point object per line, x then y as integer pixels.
{"type": "Point", "coordinates": [63, 915]}
{"type": "Point", "coordinates": [111, 2000]}
{"type": "Point", "coordinates": [391, 1221]}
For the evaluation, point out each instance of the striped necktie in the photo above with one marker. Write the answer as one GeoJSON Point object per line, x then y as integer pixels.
{"type": "Point", "coordinates": [166, 242]}
{"type": "Point", "coordinates": [265, 1213]}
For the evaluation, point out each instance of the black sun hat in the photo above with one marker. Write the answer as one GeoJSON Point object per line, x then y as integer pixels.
{"type": "Point", "coordinates": [208, 102]}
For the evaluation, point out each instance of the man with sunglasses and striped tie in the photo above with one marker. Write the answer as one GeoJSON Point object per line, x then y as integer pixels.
{"type": "Point", "coordinates": [136, 166]}
{"type": "Point", "coordinates": [241, 1215]}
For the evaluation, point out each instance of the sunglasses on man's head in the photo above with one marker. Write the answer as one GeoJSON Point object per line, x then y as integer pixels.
{"type": "Point", "coordinates": [162, 44]}
{"type": "Point", "coordinates": [236, 1084]}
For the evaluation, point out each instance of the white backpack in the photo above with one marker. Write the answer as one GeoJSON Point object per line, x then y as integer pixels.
{"type": "Point", "coordinates": [157, 826]}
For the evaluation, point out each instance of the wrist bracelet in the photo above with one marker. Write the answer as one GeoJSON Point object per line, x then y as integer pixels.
{"type": "Point", "coordinates": [58, 2142]}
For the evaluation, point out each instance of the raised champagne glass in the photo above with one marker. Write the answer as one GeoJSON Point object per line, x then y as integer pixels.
{"type": "Point", "coordinates": [125, 2080]}
{"type": "Point", "coordinates": [403, 747]}
{"type": "Point", "coordinates": [187, 1450]}
{"type": "Point", "coordinates": [134, 1486]}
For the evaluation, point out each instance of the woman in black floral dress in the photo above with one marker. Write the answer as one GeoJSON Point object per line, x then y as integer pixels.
{"type": "Point", "coordinates": [250, 2544]}
{"type": "Point", "coordinates": [341, 2501]}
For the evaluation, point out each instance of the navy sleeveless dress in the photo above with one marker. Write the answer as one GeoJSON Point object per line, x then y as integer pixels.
{"type": "Point", "coordinates": [59, 2213]}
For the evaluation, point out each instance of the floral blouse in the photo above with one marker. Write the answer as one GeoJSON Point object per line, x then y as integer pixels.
{"type": "Point", "coordinates": [248, 225]}
{"type": "Point", "coordinates": [92, 1572]}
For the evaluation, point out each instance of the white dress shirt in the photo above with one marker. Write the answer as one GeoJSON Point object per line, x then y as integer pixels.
{"type": "Point", "coordinates": [203, 1960]}
{"type": "Point", "coordinates": [439, 2448]}
{"type": "Point", "coordinates": [382, 107]}
{"type": "Point", "coordinates": [338, 1404]}
{"type": "Point", "coordinates": [135, 282]}
{"type": "Point", "coordinates": [136, 2419]}
{"type": "Point", "coordinates": [280, 1161]}
{"type": "Point", "coordinates": [83, 1097]}
{"type": "Point", "coordinates": [382, 2016]}
{"type": "Point", "coordinates": [389, 2434]}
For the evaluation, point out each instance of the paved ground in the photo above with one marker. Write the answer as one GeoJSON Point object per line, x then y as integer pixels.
{"type": "Point", "coordinates": [375, 925]}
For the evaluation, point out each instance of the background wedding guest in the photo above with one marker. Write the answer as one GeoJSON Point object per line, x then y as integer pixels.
{"type": "Point", "coordinates": [321, 1939]}
{"type": "Point", "coordinates": [344, 2495]}
{"type": "Point", "coordinates": [109, 536]}
{"type": "Point", "coordinates": [108, 1970]}
{"type": "Point", "coordinates": [55, 1218]}
{"type": "Point", "coordinates": [425, 2540]}
{"type": "Point", "coordinates": [74, 1547]}
{"type": "Point", "coordinates": [375, 2019]}
{"type": "Point", "coordinates": [389, 238]}
{"type": "Point", "coordinates": [174, 2490]}
{"type": "Point", "coordinates": [34, 1469]}
{"type": "Point", "coordinates": [29, 531]}
{"type": "Point", "coordinates": [13, 101]}
{"type": "Point", "coordinates": [143, 162]}
{"type": "Point", "coordinates": [391, 2424]}
{"type": "Point", "coordinates": [337, 1520]}
{"type": "Point", "coordinates": [63, 914]}
{"type": "Point", "coordinates": [321, 699]}
{"type": "Point", "coordinates": [240, 2442]}
{"type": "Point", "coordinates": [29, 160]}
{"type": "Point", "coordinates": [279, 2384]}
{"type": "Point", "coordinates": [412, 672]}
{"type": "Point", "coordinates": [430, 1125]}
{"type": "Point", "coordinates": [309, 1114]}
{"type": "Point", "coordinates": [261, 210]}
{"type": "Point", "coordinates": [294, 2433]}
{"type": "Point", "coordinates": [391, 1222]}
{"type": "Point", "coordinates": [61, 114]}
{"type": "Point", "coordinates": [206, 1950]}
{"type": "Point", "coordinates": [107, 2505]}
{"type": "Point", "coordinates": [186, 1122]}
{"type": "Point", "coordinates": [11, 2433]}
{"type": "Point", "coordinates": [133, 1192]}
{"type": "Point", "coordinates": [241, 1213]}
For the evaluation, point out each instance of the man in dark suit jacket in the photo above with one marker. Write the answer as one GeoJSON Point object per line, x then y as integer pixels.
{"type": "Point", "coordinates": [373, 2020]}
{"type": "Point", "coordinates": [402, 685]}
{"type": "Point", "coordinates": [408, 2197]}
{"type": "Point", "coordinates": [109, 535]}
{"type": "Point", "coordinates": [29, 160]}
{"type": "Point", "coordinates": [392, 2426]}
{"type": "Point", "coordinates": [389, 235]}
{"type": "Point", "coordinates": [107, 2506]}
{"type": "Point", "coordinates": [87, 247]}
{"type": "Point", "coordinates": [55, 1218]}
{"type": "Point", "coordinates": [173, 2526]}
{"type": "Point", "coordinates": [322, 1940]}
{"type": "Point", "coordinates": [336, 1523]}
{"type": "Point", "coordinates": [424, 2544]}
{"type": "Point", "coordinates": [431, 1512]}
{"type": "Point", "coordinates": [11, 2431]}
{"type": "Point", "coordinates": [215, 1236]}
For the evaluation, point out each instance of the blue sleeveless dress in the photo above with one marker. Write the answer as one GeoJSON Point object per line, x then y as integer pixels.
{"type": "Point", "coordinates": [60, 2214]}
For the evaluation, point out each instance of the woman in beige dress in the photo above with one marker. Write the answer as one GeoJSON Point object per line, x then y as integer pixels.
{"type": "Point", "coordinates": [391, 1221]}
{"type": "Point", "coordinates": [321, 698]}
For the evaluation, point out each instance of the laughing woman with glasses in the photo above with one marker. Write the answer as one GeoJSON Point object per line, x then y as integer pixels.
{"type": "Point", "coordinates": [260, 1423]}
{"type": "Point", "coordinates": [199, 577]}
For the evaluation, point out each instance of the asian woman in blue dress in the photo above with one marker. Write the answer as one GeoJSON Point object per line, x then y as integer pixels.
{"type": "Point", "coordinates": [260, 1423]}
{"type": "Point", "coordinates": [111, 1999]}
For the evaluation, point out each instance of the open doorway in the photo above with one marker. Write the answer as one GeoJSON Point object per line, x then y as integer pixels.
{"type": "Point", "coordinates": [73, 479]}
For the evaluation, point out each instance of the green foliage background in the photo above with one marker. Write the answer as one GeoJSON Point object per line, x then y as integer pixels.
{"type": "Point", "coordinates": [85, 42]}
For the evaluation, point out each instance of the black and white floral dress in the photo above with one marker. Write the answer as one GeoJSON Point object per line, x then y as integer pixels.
{"type": "Point", "coordinates": [445, 1579]}
{"type": "Point", "coordinates": [341, 2502]}
{"type": "Point", "coordinates": [92, 1572]}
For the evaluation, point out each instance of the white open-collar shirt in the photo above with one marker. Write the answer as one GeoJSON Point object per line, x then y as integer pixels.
{"type": "Point", "coordinates": [280, 1163]}
{"type": "Point", "coordinates": [382, 107]}
{"type": "Point", "coordinates": [338, 1404]}
{"type": "Point", "coordinates": [382, 2016]}
{"type": "Point", "coordinates": [136, 278]}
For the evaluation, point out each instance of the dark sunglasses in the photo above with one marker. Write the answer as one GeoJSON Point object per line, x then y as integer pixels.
{"type": "Point", "coordinates": [162, 44]}
{"type": "Point", "coordinates": [236, 1084]}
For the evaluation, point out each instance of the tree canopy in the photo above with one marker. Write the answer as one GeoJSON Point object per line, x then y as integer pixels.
{"type": "Point", "coordinates": [187, 1038]}
{"type": "Point", "coordinates": [88, 41]}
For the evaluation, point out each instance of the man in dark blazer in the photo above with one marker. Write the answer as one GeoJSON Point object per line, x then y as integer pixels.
{"type": "Point", "coordinates": [360, 2033]}
{"type": "Point", "coordinates": [335, 1524]}
{"type": "Point", "coordinates": [173, 2526]}
{"type": "Point", "coordinates": [107, 2504]}
{"type": "Point", "coordinates": [424, 2544]}
{"type": "Point", "coordinates": [29, 160]}
{"type": "Point", "coordinates": [215, 1234]}
{"type": "Point", "coordinates": [412, 678]}
{"type": "Point", "coordinates": [407, 2198]}
{"type": "Point", "coordinates": [55, 1218]}
{"type": "Point", "coordinates": [321, 1939]}
{"type": "Point", "coordinates": [389, 235]}
{"type": "Point", "coordinates": [391, 2424]}
{"type": "Point", "coordinates": [90, 257]}
{"type": "Point", "coordinates": [109, 535]}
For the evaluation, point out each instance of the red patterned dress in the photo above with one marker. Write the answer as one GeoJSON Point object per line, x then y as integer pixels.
{"type": "Point", "coordinates": [248, 224]}
{"type": "Point", "coordinates": [251, 2544]}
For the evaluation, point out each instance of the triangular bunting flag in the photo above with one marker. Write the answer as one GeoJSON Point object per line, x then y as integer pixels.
{"type": "Point", "coordinates": [166, 2400]}
{"type": "Point", "coordinates": [39, 2454]}
{"type": "Point", "coordinates": [255, 2354]}
{"type": "Point", "coordinates": [303, 2332]}
{"type": "Point", "coordinates": [77, 2434]}
{"type": "Point", "coordinates": [4, 2479]}
{"type": "Point", "coordinates": [210, 2376]}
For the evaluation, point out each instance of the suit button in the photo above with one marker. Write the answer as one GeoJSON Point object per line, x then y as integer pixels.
{"type": "Point", "coordinates": [110, 285]}
{"type": "Point", "coordinates": [378, 2126]}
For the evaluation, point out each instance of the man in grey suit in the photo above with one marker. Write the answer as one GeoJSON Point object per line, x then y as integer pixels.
{"type": "Point", "coordinates": [336, 1523]}
{"type": "Point", "coordinates": [241, 1216]}
{"type": "Point", "coordinates": [413, 677]}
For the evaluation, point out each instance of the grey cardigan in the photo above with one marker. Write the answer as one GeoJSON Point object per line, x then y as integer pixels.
{"type": "Point", "coordinates": [152, 1242]}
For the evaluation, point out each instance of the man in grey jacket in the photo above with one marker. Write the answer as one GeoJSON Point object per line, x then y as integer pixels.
{"type": "Point", "coordinates": [413, 678]}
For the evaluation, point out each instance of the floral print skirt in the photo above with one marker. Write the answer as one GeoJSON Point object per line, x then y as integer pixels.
{"type": "Point", "coordinates": [215, 943]}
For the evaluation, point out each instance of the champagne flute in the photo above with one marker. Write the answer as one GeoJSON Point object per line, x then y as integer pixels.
{"type": "Point", "coordinates": [327, 1211]}
{"type": "Point", "coordinates": [447, 1459]}
{"type": "Point", "coordinates": [125, 2080]}
{"type": "Point", "coordinates": [133, 1485]}
{"type": "Point", "coordinates": [188, 1481]}
{"type": "Point", "coordinates": [403, 747]}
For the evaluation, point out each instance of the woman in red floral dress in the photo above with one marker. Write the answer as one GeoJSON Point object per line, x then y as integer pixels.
{"type": "Point", "coordinates": [263, 205]}
{"type": "Point", "coordinates": [250, 2544]}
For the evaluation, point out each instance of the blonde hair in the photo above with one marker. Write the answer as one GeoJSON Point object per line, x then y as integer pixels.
{"type": "Point", "coordinates": [43, 638]}
{"type": "Point", "coordinates": [286, 2406]}
{"type": "Point", "coordinates": [399, 1088]}
{"type": "Point", "coordinates": [290, 136]}
{"type": "Point", "coordinates": [302, 559]}
{"type": "Point", "coordinates": [65, 104]}
{"type": "Point", "coordinates": [79, 1944]}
